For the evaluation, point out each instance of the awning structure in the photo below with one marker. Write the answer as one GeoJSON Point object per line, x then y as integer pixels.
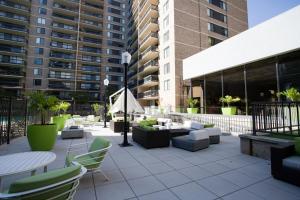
{"type": "Point", "coordinates": [132, 105]}
{"type": "Point", "coordinates": [274, 37]}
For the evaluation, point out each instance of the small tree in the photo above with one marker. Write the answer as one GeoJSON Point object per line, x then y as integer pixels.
{"type": "Point", "coordinates": [292, 94]}
{"type": "Point", "coordinates": [40, 102]}
{"type": "Point", "coordinates": [96, 107]}
{"type": "Point", "coordinates": [60, 106]}
{"type": "Point", "coordinates": [229, 100]}
{"type": "Point", "coordinates": [192, 102]}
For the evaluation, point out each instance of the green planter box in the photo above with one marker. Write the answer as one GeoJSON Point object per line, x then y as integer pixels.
{"type": "Point", "coordinates": [229, 111]}
{"type": "Point", "coordinates": [192, 110]}
{"type": "Point", "coordinates": [59, 121]}
{"type": "Point", "coordinates": [42, 137]}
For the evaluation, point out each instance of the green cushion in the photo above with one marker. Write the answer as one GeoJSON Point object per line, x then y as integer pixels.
{"type": "Point", "coordinates": [87, 161]}
{"type": "Point", "coordinates": [148, 128]}
{"type": "Point", "coordinates": [148, 122]}
{"type": "Point", "coordinates": [297, 145]}
{"type": "Point", "coordinates": [99, 143]}
{"type": "Point", "coordinates": [46, 179]}
{"type": "Point", "coordinates": [209, 125]}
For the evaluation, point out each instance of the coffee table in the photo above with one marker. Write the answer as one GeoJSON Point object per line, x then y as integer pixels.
{"type": "Point", "coordinates": [178, 132]}
{"type": "Point", "coordinates": [24, 162]}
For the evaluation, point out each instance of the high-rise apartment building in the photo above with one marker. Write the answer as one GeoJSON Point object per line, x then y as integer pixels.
{"type": "Point", "coordinates": [164, 32]}
{"type": "Point", "coordinates": [62, 46]}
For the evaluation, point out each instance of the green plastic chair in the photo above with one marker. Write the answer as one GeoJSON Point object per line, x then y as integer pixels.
{"type": "Point", "coordinates": [59, 184]}
{"type": "Point", "coordinates": [91, 160]}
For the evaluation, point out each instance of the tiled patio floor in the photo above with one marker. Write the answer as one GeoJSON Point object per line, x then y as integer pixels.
{"type": "Point", "coordinates": [219, 172]}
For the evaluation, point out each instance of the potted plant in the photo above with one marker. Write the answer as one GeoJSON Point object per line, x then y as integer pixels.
{"type": "Point", "coordinates": [41, 137]}
{"type": "Point", "coordinates": [291, 94]}
{"type": "Point", "coordinates": [192, 106]}
{"type": "Point", "coordinates": [60, 119]}
{"type": "Point", "coordinates": [229, 110]}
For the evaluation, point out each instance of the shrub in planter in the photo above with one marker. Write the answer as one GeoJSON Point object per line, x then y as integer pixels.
{"type": "Point", "coordinates": [192, 106]}
{"type": "Point", "coordinates": [60, 119]}
{"type": "Point", "coordinates": [41, 137]}
{"type": "Point", "coordinates": [229, 110]}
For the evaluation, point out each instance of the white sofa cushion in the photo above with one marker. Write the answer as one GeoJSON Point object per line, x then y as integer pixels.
{"type": "Point", "coordinates": [164, 120]}
{"type": "Point", "coordinates": [192, 125]}
{"type": "Point", "coordinates": [198, 135]}
{"type": "Point", "coordinates": [213, 131]}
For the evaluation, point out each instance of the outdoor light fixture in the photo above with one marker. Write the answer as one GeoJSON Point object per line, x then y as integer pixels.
{"type": "Point", "coordinates": [106, 82]}
{"type": "Point", "coordinates": [126, 57]}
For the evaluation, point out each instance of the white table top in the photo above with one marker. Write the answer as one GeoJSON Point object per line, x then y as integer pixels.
{"type": "Point", "coordinates": [24, 162]}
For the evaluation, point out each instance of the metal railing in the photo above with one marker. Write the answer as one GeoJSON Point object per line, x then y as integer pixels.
{"type": "Point", "coordinates": [276, 117]}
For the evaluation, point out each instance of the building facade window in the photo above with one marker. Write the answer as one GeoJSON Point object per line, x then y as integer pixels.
{"type": "Point", "coordinates": [43, 2]}
{"type": "Point", "coordinates": [166, 36]}
{"type": "Point", "coordinates": [166, 22]}
{"type": "Point", "coordinates": [216, 15]}
{"type": "Point", "coordinates": [167, 85]}
{"type": "Point", "coordinates": [41, 20]}
{"type": "Point", "coordinates": [218, 29]}
{"type": "Point", "coordinates": [43, 11]}
{"type": "Point", "coordinates": [39, 51]}
{"type": "Point", "coordinates": [37, 82]}
{"type": "Point", "coordinates": [40, 30]}
{"type": "Point", "coordinates": [166, 68]}
{"type": "Point", "coordinates": [218, 3]}
{"type": "Point", "coordinates": [38, 61]}
{"type": "Point", "coordinates": [37, 71]}
{"type": "Point", "coordinates": [213, 41]}
{"type": "Point", "coordinates": [167, 52]}
{"type": "Point", "coordinates": [40, 41]}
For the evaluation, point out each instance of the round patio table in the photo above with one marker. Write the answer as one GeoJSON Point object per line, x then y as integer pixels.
{"type": "Point", "coordinates": [24, 162]}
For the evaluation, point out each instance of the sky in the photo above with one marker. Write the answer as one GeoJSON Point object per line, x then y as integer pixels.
{"type": "Point", "coordinates": [262, 10]}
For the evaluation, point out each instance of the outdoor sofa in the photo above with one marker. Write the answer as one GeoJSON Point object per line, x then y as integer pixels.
{"type": "Point", "coordinates": [285, 163]}
{"type": "Point", "coordinates": [151, 137]}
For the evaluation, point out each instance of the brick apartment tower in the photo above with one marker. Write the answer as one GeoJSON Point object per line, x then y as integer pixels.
{"type": "Point", "coordinates": [62, 46]}
{"type": "Point", "coordinates": [164, 32]}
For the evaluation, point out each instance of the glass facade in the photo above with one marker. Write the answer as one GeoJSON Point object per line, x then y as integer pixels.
{"type": "Point", "coordinates": [258, 81]}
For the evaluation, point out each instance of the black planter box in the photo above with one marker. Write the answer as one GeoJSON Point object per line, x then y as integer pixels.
{"type": "Point", "coordinates": [118, 127]}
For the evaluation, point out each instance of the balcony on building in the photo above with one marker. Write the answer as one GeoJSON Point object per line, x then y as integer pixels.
{"type": "Point", "coordinates": [150, 11]}
{"type": "Point", "coordinates": [62, 47]}
{"type": "Point", "coordinates": [13, 18]}
{"type": "Point", "coordinates": [148, 81]}
{"type": "Point", "coordinates": [11, 72]}
{"type": "Point", "coordinates": [7, 38]}
{"type": "Point", "coordinates": [16, 7]}
{"type": "Point", "coordinates": [8, 60]}
{"type": "Point", "coordinates": [11, 83]}
{"type": "Point", "coordinates": [149, 54]}
{"type": "Point", "coordinates": [149, 95]}
{"type": "Point", "coordinates": [65, 9]}
{"type": "Point", "coordinates": [62, 65]}
{"type": "Point", "coordinates": [151, 25]}
{"type": "Point", "coordinates": [59, 85]}
{"type": "Point", "coordinates": [9, 49]}
{"type": "Point", "coordinates": [62, 56]}
{"type": "Point", "coordinates": [65, 28]}
{"type": "Point", "coordinates": [11, 28]}
{"type": "Point", "coordinates": [148, 68]}
{"type": "Point", "coordinates": [150, 40]}
{"type": "Point", "coordinates": [57, 17]}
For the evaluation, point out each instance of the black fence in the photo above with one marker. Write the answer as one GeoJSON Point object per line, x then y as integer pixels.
{"type": "Point", "coordinates": [276, 117]}
{"type": "Point", "coordinates": [13, 118]}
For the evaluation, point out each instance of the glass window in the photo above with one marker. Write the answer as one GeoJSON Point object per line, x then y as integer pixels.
{"type": "Point", "coordinates": [40, 41]}
{"type": "Point", "coordinates": [218, 3]}
{"type": "Point", "coordinates": [166, 36]}
{"type": "Point", "coordinates": [166, 6]}
{"type": "Point", "coordinates": [43, 11]}
{"type": "Point", "coordinates": [39, 51]}
{"type": "Point", "coordinates": [38, 61]}
{"type": "Point", "coordinates": [37, 71]}
{"type": "Point", "coordinates": [167, 85]}
{"type": "Point", "coordinates": [166, 68]}
{"type": "Point", "coordinates": [37, 82]}
{"type": "Point", "coordinates": [213, 93]}
{"type": "Point", "coordinates": [213, 41]}
{"type": "Point", "coordinates": [41, 20]}
{"type": "Point", "coordinates": [166, 22]}
{"type": "Point", "coordinates": [217, 29]}
{"type": "Point", "coordinates": [216, 15]}
{"type": "Point", "coordinates": [43, 2]}
{"type": "Point", "coordinates": [167, 52]}
{"type": "Point", "coordinates": [40, 30]}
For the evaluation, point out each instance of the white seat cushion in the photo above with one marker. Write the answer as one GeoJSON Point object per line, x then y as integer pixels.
{"type": "Point", "coordinates": [193, 125]}
{"type": "Point", "coordinates": [198, 135]}
{"type": "Point", "coordinates": [213, 131]}
{"type": "Point", "coordinates": [292, 162]}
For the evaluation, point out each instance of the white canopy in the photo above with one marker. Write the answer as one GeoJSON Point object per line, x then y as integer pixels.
{"type": "Point", "coordinates": [132, 105]}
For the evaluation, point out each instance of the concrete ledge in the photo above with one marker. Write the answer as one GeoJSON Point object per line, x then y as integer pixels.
{"type": "Point", "coordinates": [260, 146]}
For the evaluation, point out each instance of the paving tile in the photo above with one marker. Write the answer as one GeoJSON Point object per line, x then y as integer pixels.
{"type": "Point", "coordinates": [178, 163]}
{"type": "Point", "coordinates": [242, 195]}
{"type": "Point", "coordinates": [135, 172]}
{"type": "Point", "coordinates": [218, 186]}
{"type": "Point", "coordinates": [269, 192]}
{"type": "Point", "coordinates": [283, 186]}
{"type": "Point", "coordinates": [238, 178]}
{"type": "Point", "coordinates": [157, 168]}
{"type": "Point", "coordinates": [195, 173]}
{"type": "Point", "coordinates": [146, 185]}
{"type": "Point", "coordinates": [113, 175]}
{"type": "Point", "coordinates": [193, 191]}
{"type": "Point", "coordinates": [215, 168]}
{"type": "Point", "coordinates": [115, 191]}
{"type": "Point", "coordinates": [171, 179]}
{"type": "Point", "coordinates": [87, 193]}
{"type": "Point", "coordinates": [86, 181]}
{"type": "Point", "coordinates": [162, 195]}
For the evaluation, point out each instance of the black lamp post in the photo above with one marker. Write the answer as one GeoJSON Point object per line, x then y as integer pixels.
{"type": "Point", "coordinates": [106, 82]}
{"type": "Point", "coordinates": [126, 57]}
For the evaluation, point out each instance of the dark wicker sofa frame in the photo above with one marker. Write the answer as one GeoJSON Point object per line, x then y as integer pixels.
{"type": "Point", "coordinates": [150, 139]}
{"type": "Point", "coordinates": [281, 172]}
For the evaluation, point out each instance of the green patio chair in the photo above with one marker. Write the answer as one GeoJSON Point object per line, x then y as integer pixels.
{"type": "Point", "coordinates": [91, 160]}
{"type": "Point", "coordinates": [59, 184]}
